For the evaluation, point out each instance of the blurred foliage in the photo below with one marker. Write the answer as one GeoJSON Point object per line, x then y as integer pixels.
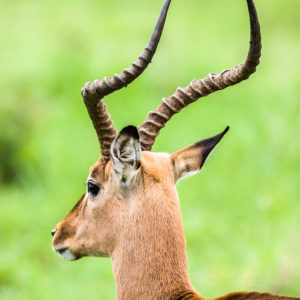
{"type": "Point", "coordinates": [241, 213]}
{"type": "Point", "coordinates": [11, 142]}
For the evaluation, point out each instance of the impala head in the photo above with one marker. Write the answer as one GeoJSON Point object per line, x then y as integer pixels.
{"type": "Point", "coordinates": [129, 185]}
{"type": "Point", "coordinates": [116, 191]}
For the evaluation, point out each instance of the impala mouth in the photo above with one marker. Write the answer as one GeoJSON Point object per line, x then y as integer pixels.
{"type": "Point", "coordinates": [65, 253]}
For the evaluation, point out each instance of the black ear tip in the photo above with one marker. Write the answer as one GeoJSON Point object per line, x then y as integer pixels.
{"type": "Point", "coordinates": [220, 136]}
{"type": "Point", "coordinates": [226, 130]}
{"type": "Point", "coordinates": [131, 131]}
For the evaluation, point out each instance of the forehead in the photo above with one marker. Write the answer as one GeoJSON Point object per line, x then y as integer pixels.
{"type": "Point", "coordinates": [155, 163]}
{"type": "Point", "coordinates": [98, 170]}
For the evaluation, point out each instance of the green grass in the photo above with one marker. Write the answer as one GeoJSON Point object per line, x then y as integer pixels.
{"type": "Point", "coordinates": [241, 213]}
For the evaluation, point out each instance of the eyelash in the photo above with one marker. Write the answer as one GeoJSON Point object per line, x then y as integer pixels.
{"type": "Point", "coordinates": [93, 189]}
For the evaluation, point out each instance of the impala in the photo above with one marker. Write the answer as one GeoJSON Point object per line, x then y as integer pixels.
{"type": "Point", "coordinates": [130, 210]}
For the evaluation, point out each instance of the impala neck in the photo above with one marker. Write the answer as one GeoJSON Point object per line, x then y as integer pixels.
{"type": "Point", "coordinates": [150, 261]}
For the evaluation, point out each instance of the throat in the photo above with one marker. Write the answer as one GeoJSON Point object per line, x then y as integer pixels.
{"type": "Point", "coordinates": [152, 262]}
{"type": "Point", "coordinates": [151, 272]}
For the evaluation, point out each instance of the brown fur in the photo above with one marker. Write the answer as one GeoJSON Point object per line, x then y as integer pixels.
{"type": "Point", "coordinates": [139, 226]}
{"type": "Point", "coordinates": [253, 296]}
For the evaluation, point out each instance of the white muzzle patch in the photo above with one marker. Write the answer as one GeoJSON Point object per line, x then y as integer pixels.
{"type": "Point", "coordinates": [65, 253]}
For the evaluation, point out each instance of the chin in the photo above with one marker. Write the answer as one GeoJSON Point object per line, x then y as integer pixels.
{"type": "Point", "coordinates": [66, 254]}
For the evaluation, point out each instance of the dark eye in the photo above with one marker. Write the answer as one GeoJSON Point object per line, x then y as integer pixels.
{"type": "Point", "coordinates": [92, 188]}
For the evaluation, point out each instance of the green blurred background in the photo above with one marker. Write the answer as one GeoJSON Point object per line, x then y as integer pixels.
{"type": "Point", "coordinates": [241, 214]}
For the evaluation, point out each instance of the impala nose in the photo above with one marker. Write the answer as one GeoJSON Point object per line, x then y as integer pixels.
{"type": "Point", "coordinates": [53, 232]}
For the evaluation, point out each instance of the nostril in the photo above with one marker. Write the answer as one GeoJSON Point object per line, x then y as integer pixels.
{"type": "Point", "coordinates": [53, 232]}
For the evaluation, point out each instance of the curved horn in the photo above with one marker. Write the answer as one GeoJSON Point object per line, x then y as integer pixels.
{"type": "Point", "coordinates": [92, 92]}
{"type": "Point", "coordinates": [202, 87]}
{"type": "Point", "coordinates": [103, 126]}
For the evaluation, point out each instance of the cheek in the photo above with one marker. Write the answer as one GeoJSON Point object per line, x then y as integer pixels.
{"type": "Point", "coordinates": [95, 234]}
{"type": "Point", "coordinates": [108, 223]}
{"type": "Point", "coordinates": [104, 222]}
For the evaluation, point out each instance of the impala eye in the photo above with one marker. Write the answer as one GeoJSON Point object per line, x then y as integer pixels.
{"type": "Point", "coordinates": [92, 188]}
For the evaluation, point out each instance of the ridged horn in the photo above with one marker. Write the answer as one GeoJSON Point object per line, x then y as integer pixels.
{"type": "Point", "coordinates": [93, 93]}
{"type": "Point", "coordinates": [198, 88]}
{"type": "Point", "coordinates": [104, 127]}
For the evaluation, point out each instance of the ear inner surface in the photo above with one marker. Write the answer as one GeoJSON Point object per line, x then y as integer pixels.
{"type": "Point", "coordinates": [126, 154]}
{"type": "Point", "coordinates": [191, 159]}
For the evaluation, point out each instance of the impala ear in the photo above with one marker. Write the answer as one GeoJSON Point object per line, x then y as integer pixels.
{"type": "Point", "coordinates": [126, 154]}
{"type": "Point", "coordinates": [191, 159]}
